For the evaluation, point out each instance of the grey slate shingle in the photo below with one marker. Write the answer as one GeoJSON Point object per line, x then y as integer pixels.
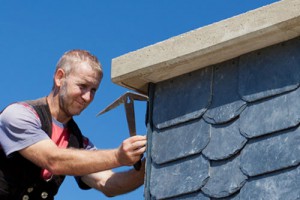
{"type": "Point", "coordinates": [227, 139]}
{"type": "Point", "coordinates": [194, 136]}
{"type": "Point", "coordinates": [281, 185]}
{"type": "Point", "coordinates": [270, 71]}
{"type": "Point", "coordinates": [271, 115]}
{"type": "Point", "coordinates": [177, 178]}
{"type": "Point", "coordinates": [193, 196]}
{"type": "Point", "coordinates": [182, 99]}
{"type": "Point", "coordinates": [222, 173]}
{"type": "Point", "coordinates": [226, 102]}
{"type": "Point", "coordinates": [278, 151]}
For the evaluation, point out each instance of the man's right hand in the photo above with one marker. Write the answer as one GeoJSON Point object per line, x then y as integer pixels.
{"type": "Point", "coordinates": [131, 149]}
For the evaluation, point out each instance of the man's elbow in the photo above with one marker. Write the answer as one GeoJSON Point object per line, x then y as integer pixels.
{"type": "Point", "coordinates": [108, 194]}
{"type": "Point", "coordinates": [55, 165]}
{"type": "Point", "coordinates": [55, 168]}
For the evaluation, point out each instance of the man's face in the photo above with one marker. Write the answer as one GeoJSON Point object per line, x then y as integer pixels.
{"type": "Point", "coordinates": [78, 89]}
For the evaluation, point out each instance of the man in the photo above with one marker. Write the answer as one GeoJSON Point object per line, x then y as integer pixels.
{"type": "Point", "coordinates": [40, 143]}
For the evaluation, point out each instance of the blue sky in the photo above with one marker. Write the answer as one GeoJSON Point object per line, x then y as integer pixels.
{"type": "Point", "coordinates": [34, 34]}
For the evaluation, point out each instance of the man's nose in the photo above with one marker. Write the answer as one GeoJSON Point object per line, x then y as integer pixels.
{"type": "Point", "coordinates": [87, 96]}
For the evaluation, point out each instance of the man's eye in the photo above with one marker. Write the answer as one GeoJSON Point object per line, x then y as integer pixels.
{"type": "Point", "coordinates": [82, 86]}
{"type": "Point", "coordinates": [93, 91]}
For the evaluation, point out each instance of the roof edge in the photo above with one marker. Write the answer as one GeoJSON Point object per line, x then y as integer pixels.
{"type": "Point", "coordinates": [208, 45]}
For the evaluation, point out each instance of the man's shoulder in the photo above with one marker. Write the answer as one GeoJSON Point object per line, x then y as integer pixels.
{"type": "Point", "coordinates": [23, 106]}
{"type": "Point", "coordinates": [18, 110]}
{"type": "Point", "coordinates": [37, 102]}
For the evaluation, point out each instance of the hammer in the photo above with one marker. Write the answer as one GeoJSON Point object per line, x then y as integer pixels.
{"type": "Point", "coordinates": [128, 100]}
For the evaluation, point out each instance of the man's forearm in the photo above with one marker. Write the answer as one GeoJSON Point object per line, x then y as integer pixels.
{"type": "Point", "coordinates": [116, 183]}
{"type": "Point", "coordinates": [81, 162]}
{"type": "Point", "coordinates": [124, 182]}
{"type": "Point", "coordinates": [70, 161]}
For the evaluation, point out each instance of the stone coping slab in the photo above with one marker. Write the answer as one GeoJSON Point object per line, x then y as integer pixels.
{"type": "Point", "coordinates": [207, 45]}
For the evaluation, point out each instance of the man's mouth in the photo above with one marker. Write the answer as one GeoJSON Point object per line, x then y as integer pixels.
{"type": "Point", "coordinates": [81, 104]}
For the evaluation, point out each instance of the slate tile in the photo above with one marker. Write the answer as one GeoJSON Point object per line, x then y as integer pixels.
{"type": "Point", "coordinates": [193, 196]}
{"type": "Point", "coordinates": [267, 154]}
{"type": "Point", "coordinates": [201, 196]}
{"type": "Point", "coordinates": [225, 178]}
{"type": "Point", "coordinates": [226, 102]}
{"type": "Point", "coordinates": [178, 178]}
{"type": "Point", "coordinates": [182, 99]}
{"type": "Point", "coordinates": [274, 114]}
{"type": "Point", "coordinates": [225, 141]}
{"type": "Point", "coordinates": [232, 197]}
{"type": "Point", "coordinates": [179, 141]}
{"type": "Point", "coordinates": [283, 185]}
{"type": "Point", "coordinates": [264, 73]}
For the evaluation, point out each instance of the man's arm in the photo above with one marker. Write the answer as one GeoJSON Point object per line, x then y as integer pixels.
{"type": "Point", "coordinates": [81, 162]}
{"type": "Point", "coordinates": [113, 184]}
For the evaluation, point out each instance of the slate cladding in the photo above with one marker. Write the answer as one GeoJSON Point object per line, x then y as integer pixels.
{"type": "Point", "coordinates": [228, 131]}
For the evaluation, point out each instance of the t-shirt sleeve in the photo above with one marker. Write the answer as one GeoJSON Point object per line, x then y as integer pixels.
{"type": "Point", "coordinates": [20, 127]}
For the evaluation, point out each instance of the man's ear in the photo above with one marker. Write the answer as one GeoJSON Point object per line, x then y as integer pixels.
{"type": "Point", "coordinates": [59, 76]}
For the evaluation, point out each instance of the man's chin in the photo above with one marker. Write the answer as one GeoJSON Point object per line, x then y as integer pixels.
{"type": "Point", "coordinates": [77, 110]}
{"type": "Point", "coordinates": [77, 113]}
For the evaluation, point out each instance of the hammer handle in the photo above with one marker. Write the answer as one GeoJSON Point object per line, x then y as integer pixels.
{"type": "Point", "coordinates": [137, 166]}
{"type": "Point", "coordinates": [129, 107]}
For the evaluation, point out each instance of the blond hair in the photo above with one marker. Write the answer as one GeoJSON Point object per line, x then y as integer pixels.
{"type": "Point", "coordinates": [71, 59]}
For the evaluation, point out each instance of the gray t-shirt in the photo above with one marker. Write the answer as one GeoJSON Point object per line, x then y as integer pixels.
{"type": "Point", "coordinates": [21, 127]}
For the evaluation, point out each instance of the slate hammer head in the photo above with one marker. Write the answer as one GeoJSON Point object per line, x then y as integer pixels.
{"type": "Point", "coordinates": [128, 100]}
{"type": "Point", "coordinates": [125, 98]}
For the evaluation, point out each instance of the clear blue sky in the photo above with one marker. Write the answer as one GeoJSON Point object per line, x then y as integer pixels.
{"type": "Point", "coordinates": [34, 34]}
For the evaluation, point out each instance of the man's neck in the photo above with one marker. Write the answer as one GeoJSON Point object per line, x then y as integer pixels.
{"type": "Point", "coordinates": [55, 110]}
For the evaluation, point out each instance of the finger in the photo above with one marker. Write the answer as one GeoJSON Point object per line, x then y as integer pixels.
{"type": "Point", "coordinates": [139, 151]}
{"type": "Point", "coordinates": [137, 138]}
{"type": "Point", "coordinates": [138, 144]}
